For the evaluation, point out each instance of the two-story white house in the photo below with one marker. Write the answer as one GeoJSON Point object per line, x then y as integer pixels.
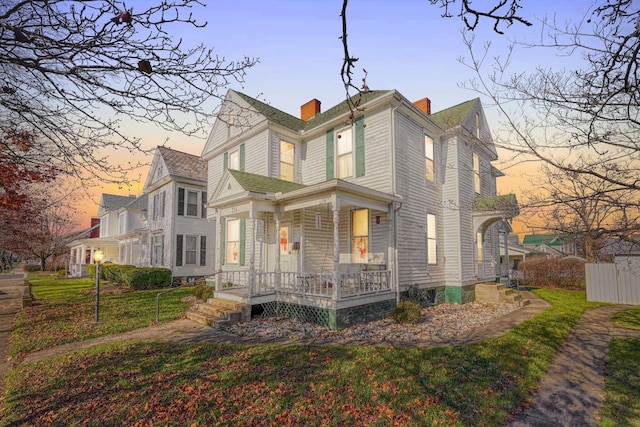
{"type": "Point", "coordinates": [112, 212]}
{"type": "Point", "coordinates": [180, 236]}
{"type": "Point", "coordinates": [332, 216]}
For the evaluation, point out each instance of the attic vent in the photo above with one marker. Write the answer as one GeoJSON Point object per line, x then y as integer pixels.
{"type": "Point", "coordinates": [229, 186]}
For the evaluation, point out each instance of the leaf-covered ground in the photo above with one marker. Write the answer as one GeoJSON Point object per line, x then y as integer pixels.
{"type": "Point", "coordinates": [169, 384]}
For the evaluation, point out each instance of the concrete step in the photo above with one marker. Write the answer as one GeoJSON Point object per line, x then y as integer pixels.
{"type": "Point", "coordinates": [217, 312]}
{"type": "Point", "coordinates": [497, 293]}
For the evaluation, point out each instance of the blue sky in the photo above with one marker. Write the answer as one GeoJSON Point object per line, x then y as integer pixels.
{"type": "Point", "coordinates": [403, 44]}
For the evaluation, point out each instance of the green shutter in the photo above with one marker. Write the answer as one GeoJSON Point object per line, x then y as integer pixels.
{"type": "Point", "coordinates": [360, 147]}
{"type": "Point", "coordinates": [203, 250]}
{"type": "Point", "coordinates": [223, 241]}
{"type": "Point", "coordinates": [179, 240]}
{"type": "Point", "coordinates": [241, 157]}
{"type": "Point", "coordinates": [226, 161]}
{"type": "Point", "coordinates": [181, 201]}
{"type": "Point", "coordinates": [330, 154]}
{"type": "Point", "coordinates": [243, 232]}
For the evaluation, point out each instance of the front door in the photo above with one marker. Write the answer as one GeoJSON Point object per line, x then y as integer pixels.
{"type": "Point", "coordinates": [287, 255]}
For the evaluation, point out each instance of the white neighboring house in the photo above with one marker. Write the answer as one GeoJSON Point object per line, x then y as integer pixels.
{"type": "Point", "coordinates": [133, 233]}
{"type": "Point", "coordinates": [331, 220]}
{"type": "Point", "coordinates": [180, 237]}
{"type": "Point", "coordinates": [109, 212]}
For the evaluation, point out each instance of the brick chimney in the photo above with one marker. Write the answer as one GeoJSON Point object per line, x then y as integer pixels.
{"type": "Point", "coordinates": [310, 109]}
{"type": "Point", "coordinates": [424, 104]}
{"type": "Point", "coordinates": [95, 233]}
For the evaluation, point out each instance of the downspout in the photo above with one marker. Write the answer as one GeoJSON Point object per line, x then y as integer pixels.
{"type": "Point", "coordinates": [396, 208]}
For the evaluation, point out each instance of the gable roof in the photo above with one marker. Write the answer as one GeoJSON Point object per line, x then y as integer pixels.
{"type": "Point", "coordinates": [263, 184]}
{"type": "Point", "coordinates": [273, 114]}
{"type": "Point", "coordinates": [454, 116]}
{"type": "Point", "coordinates": [542, 239]}
{"type": "Point", "coordinates": [180, 164]}
{"type": "Point", "coordinates": [140, 202]}
{"type": "Point", "coordinates": [112, 202]}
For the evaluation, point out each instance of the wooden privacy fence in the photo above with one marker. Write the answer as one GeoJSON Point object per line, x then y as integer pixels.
{"type": "Point", "coordinates": [618, 283]}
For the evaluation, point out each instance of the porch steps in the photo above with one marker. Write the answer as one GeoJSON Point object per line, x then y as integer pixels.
{"type": "Point", "coordinates": [218, 312]}
{"type": "Point", "coordinates": [498, 293]}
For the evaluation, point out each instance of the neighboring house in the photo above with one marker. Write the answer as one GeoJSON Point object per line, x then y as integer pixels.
{"type": "Point", "coordinates": [132, 235]}
{"type": "Point", "coordinates": [619, 248]}
{"type": "Point", "coordinates": [331, 220]}
{"type": "Point", "coordinates": [553, 245]}
{"type": "Point", "coordinates": [180, 237]}
{"type": "Point", "coordinates": [517, 253]}
{"type": "Point", "coordinates": [108, 222]}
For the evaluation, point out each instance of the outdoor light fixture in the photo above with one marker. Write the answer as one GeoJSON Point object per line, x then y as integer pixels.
{"type": "Point", "coordinates": [98, 256]}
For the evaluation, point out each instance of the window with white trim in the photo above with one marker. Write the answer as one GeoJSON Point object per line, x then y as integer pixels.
{"type": "Point", "coordinates": [360, 235]}
{"type": "Point", "coordinates": [158, 205]}
{"type": "Point", "coordinates": [478, 125]}
{"type": "Point", "coordinates": [432, 240]}
{"type": "Point", "coordinates": [233, 241]}
{"type": "Point", "coordinates": [190, 250]}
{"type": "Point", "coordinates": [234, 160]}
{"type": "Point", "coordinates": [479, 254]}
{"type": "Point", "coordinates": [344, 153]}
{"type": "Point", "coordinates": [158, 250]}
{"type": "Point", "coordinates": [122, 223]}
{"type": "Point", "coordinates": [287, 160]}
{"type": "Point", "coordinates": [476, 173]}
{"type": "Point", "coordinates": [428, 158]}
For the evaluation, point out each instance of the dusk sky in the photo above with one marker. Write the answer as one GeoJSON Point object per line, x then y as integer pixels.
{"type": "Point", "coordinates": [403, 44]}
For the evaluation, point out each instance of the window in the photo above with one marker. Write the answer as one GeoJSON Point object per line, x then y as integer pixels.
{"type": "Point", "coordinates": [345, 153]}
{"type": "Point", "coordinates": [428, 157]}
{"type": "Point", "coordinates": [360, 235]}
{"type": "Point", "coordinates": [476, 173]}
{"type": "Point", "coordinates": [432, 234]}
{"type": "Point", "coordinates": [287, 161]}
{"type": "Point", "coordinates": [104, 226]}
{"type": "Point", "coordinates": [159, 171]}
{"type": "Point", "coordinates": [233, 241]}
{"type": "Point", "coordinates": [122, 249]}
{"type": "Point", "coordinates": [158, 250]}
{"type": "Point", "coordinates": [479, 255]}
{"type": "Point", "coordinates": [158, 205]}
{"type": "Point", "coordinates": [234, 160]}
{"type": "Point", "coordinates": [477, 125]}
{"type": "Point", "coordinates": [284, 240]}
{"type": "Point", "coordinates": [190, 250]}
{"type": "Point", "coordinates": [192, 203]}
{"type": "Point", "coordinates": [122, 225]}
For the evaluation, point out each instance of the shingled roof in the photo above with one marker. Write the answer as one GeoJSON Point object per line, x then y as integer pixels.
{"type": "Point", "coordinates": [453, 116]}
{"type": "Point", "coordinates": [180, 164]}
{"type": "Point", "coordinates": [263, 184]}
{"type": "Point", "coordinates": [273, 114]}
{"type": "Point", "coordinates": [112, 202]}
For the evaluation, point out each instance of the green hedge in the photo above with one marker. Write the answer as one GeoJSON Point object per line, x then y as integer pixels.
{"type": "Point", "coordinates": [91, 270]}
{"type": "Point", "coordinates": [147, 278]}
{"type": "Point", "coordinates": [115, 272]}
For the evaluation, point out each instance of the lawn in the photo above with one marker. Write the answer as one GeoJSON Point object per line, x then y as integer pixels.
{"type": "Point", "coordinates": [217, 384]}
{"type": "Point", "coordinates": [622, 406]}
{"type": "Point", "coordinates": [64, 311]}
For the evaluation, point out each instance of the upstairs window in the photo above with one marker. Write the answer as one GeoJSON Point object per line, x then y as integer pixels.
{"type": "Point", "coordinates": [234, 159]}
{"type": "Point", "coordinates": [428, 157]}
{"type": "Point", "coordinates": [122, 223]}
{"type": "Point", "coordinates": [287, 161]}
{"type": "Point", "coordinates": [158, 205]}
{"type": "Point", "coordinates": [192, 203]}
{"type": "Point", "coordinates": [344, 153]}
{"type": "Point", "coordinates": [477, 125]}
{"type": "Point", "coordinates": [476, 173]}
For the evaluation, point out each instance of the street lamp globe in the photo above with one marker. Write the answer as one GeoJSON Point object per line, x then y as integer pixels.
{"type": "Point", "coordinates": [98, 256]}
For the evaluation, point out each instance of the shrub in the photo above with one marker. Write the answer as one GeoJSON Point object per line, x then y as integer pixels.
{"type": "Point", "coordinates": [147, 278]}
{"type": "Point", "coordinates": [407, 312]}
{"type": "Point", "coordinates": [115, 272]}
{"type": "Point", "coordinates": [553, 273]}
{"type": "Point", "coordinates": [202, 291]}
{"type": "Point", "coordinates": [31, 267]}
{"type": "Point", "coordinates": [91, 270]}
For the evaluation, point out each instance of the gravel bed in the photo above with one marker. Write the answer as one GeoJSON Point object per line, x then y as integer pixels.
{"type": "Point", "coordinates": [438, 322]}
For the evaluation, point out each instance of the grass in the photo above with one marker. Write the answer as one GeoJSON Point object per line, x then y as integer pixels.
{"type": "Point", "coordinates": [65, 312]}
{"type": "Point", "coordinates": [217, 384]}
{"type": "Point", "coordinates": [622, 387]}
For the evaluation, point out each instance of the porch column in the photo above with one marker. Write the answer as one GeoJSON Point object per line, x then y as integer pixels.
{"type": "Point", "coordinates": [278, 277]}
{"type": "Point", "coordinates": [218, 251]}
{"type": "Point", "coordinates": [252, 258]}
{"type": "Point", "coordinates": [336, 247]}
{"type": "Point", "coordinates": [506, 252]}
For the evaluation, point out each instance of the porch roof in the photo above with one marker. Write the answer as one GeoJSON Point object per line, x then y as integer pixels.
{"type": "Point", "coordinates": [262, 184]}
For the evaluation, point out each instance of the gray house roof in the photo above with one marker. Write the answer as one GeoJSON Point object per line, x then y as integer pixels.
{"type": "Point", "coordinates": [140, 202]}
{"type": "Point", "coordinates": [180, 164]}
{"type": "Point", "coordinates": [453, 116]}
{"type": "Point", "coordinates": [112, 202]}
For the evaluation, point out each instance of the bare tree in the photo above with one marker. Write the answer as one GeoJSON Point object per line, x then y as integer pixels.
{"type": "Point", "coordinates": [42, 227]}
{"type": "Point", "coordinates": [588, 209]}
{"type": "Point", "coordinates": [503, 13]}
{"type": "Point", "coordinates": [70, 71]}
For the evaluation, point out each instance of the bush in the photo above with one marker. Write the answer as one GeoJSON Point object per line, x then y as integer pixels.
{"type": "Point", "coordinates": [147, 278]}
{"type": "Point", "coordinates": [553, 273]}
{"type": "Point", "coordinates": [115, 272]}
{"type": "Point", "coordinates": [31, 268]}
{"type": "Point", "coordinates": [407, 312]}
{"type": "Point", "coordinates": [202, 291]}
{"type": "Point", "coordinates": [91, 270]}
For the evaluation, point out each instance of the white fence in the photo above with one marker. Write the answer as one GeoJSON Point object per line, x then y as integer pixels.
{"type": "Point", "coordinates": [618, 283]}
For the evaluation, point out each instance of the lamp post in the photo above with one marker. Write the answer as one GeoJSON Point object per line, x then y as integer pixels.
{"type": "Point", "coordinates": [98, 256]}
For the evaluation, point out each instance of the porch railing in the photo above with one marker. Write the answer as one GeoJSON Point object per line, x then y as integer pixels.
{"type": "Point", "coordinates": [310, 284]}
